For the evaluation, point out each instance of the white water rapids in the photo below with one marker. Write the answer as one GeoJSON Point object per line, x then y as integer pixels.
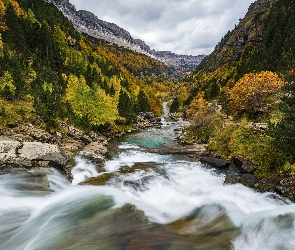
{"type": "Point", "coordinates": [175, 204]}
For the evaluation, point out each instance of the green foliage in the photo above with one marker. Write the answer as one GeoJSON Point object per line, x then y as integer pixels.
{"type": "Point", "coordinates": [253, 145]}
{"type": "Point", "coordinates": [7, 88]}
{"type": "Point", "coordinates": [85, 103]}
{"type": "Point", "coordinates": [174, 105]}
{"type": "Point", "coordinates": [69, 78]}
{"type": "Point", "coordinates": [143, 102]}
{"type": "Point", "coordinates": [126, 105]}
{"type": "Point", "coordinates": [283, 129]}
{"type": "Point", "coordinates": [16, 111]}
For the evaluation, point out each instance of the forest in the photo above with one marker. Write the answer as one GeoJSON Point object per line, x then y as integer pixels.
{"type": "Point", "coordinates": [50, 72]}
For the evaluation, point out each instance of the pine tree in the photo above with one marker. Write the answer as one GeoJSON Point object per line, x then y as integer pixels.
{"type": "Point", "coordinates": [143, 102]}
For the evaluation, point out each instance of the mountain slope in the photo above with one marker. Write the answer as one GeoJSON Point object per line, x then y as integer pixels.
{"type": "Point", "coordinates": [49, 72]}
{"type": "Point", "coordinates": [263, 40]}
{"type": "Point", "coordinates": [88, 23]}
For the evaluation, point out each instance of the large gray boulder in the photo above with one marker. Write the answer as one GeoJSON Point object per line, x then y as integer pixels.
{"type": "Point", "coordinates": [30, 154]}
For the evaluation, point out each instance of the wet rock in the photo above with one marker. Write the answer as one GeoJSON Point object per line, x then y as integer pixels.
{"type": "Point", "coordinates": [234, 170]}
{"type": "Point", "coordinates": [231, 179]}
{"type": "Point", "coordinates": [99, 180]}
{"type": "Point", "coordinates": [246, 167]}
{"type": "Point", "coordinates": [287, 187]}
{"type": "Point", "coordinates": [187, 149]}
{"type": "Point", "coordinates": [215, 162]}
{"type": "Point", "coordinates": [249, 179]}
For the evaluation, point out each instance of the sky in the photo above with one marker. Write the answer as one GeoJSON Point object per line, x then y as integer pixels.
{"type": "Point", "coordinates": [188, 27]}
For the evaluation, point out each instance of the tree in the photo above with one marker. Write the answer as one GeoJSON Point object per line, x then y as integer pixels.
{"type": "Point", "coordinates": [126, 105]}
{"type": "Point", "coordinates": [85, 103]}
{"type": "Point", "coordinates": [7, 88]}
{"type": "Point", "coordinates": [255, 93]}
{"type": "Point", "coordinates": [174, 105]}
{"type": "Point", "coordinates": [197, 109]}
{"type": "Point", "coordinates": [143, 102]}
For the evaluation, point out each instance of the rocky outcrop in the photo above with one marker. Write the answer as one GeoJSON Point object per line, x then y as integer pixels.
{"type": "Point", "coordinates": [147, 120]}
{"type": "Point", "coordinates": [247, 35]}
{"type": "Point", "coordinates": [279, 184]}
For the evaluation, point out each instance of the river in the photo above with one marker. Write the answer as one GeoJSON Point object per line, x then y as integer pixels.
{"type": "Point", "coordinates": [144, 201]}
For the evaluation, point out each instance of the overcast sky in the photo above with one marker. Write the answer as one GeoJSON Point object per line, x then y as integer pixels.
{"type": "Point", "coordinates": [189, 27]}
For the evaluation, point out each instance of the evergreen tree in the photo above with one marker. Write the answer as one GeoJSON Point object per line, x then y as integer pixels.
{"type": "Point", "coordinates": [125, 105]}
{"type": "Point", "coordinates": [143, 102]}
{"type": "Point", "coordinates": [174, 105]}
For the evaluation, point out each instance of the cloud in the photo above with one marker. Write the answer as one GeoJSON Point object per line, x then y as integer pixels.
{"type": "Point", "coordinates": [181, 26]}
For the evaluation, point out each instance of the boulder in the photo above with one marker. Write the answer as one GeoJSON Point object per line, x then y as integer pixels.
{"type": "Point", "coordinates": [8, 151]}
{"type": "Point", "coordinates": [30, 154]}
{"type": "Point", "coordinates": [215, 162]}
{"type": "Point", "coordinates": [37, 151]}
{"type": "Point", "coordinates": [96, 148]}
{"type": "Point", "coordinates": [246, 167]}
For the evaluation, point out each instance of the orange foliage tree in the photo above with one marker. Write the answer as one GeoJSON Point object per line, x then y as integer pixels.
{"type": "Point", "coordinates": [255, 93]}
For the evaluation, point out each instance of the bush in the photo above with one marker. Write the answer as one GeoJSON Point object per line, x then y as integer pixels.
{"type": "Point", "coordinates": [253, 145]}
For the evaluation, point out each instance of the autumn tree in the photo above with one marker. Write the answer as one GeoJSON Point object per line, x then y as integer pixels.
{"type": "Point", "coordinates": [197, 109]}
{"type": "Point", "coordinates": [255, 93]}
{"type": "Point", "coordinates": [93, 105]}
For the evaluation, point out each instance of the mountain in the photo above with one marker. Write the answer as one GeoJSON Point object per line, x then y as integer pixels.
{"type": "Point", "coordinates": [263, 40]}
{"type": "Point", "coordinates": [88, 23]}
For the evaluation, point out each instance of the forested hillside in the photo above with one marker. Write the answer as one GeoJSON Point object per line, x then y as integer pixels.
{"type": "Point", "coordinates": [262, 41]}
{"type": "Point", "coordinates": [49, 72]}
{"type": "Point", "coordinates": [250, 74]}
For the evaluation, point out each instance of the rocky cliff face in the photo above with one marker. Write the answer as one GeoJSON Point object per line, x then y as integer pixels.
{"type": "Point", "coordinates": [88, 23]}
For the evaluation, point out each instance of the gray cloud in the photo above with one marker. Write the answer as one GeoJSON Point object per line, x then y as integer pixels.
{"type": "Point", "coordinates": [181, 26]}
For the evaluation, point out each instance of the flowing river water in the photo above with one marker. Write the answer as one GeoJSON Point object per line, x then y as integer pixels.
{"type": "Point", "coordinates": [144, 201]}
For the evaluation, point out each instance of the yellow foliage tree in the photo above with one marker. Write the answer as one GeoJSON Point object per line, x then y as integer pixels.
{"type": "Point", "coordinates": [255, 93]}
{"type": "Point", "coordinates": [18, 10]}
{"type": "Point", "coordinates": [197, 109]}
{"type": "Point", "coordinates": [95, 106]}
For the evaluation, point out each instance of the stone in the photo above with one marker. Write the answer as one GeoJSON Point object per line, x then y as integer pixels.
{"type": "Point", "coordinates": [8, 151]}
{"type": "Point", "coordinates": [231, 179]}
{"type": "Point", "coordinates": [215, 162]}
{"type": "Point", "coordinates": [96, 148]}
{"type": "Point", "coordinates": [249, 179]}
{"type": "Point", "coordinates": [37, 151]}
{"type": "Point", "coordinates": [246, 167]}
{"type": "Point", "coordinates": [29, 154]}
